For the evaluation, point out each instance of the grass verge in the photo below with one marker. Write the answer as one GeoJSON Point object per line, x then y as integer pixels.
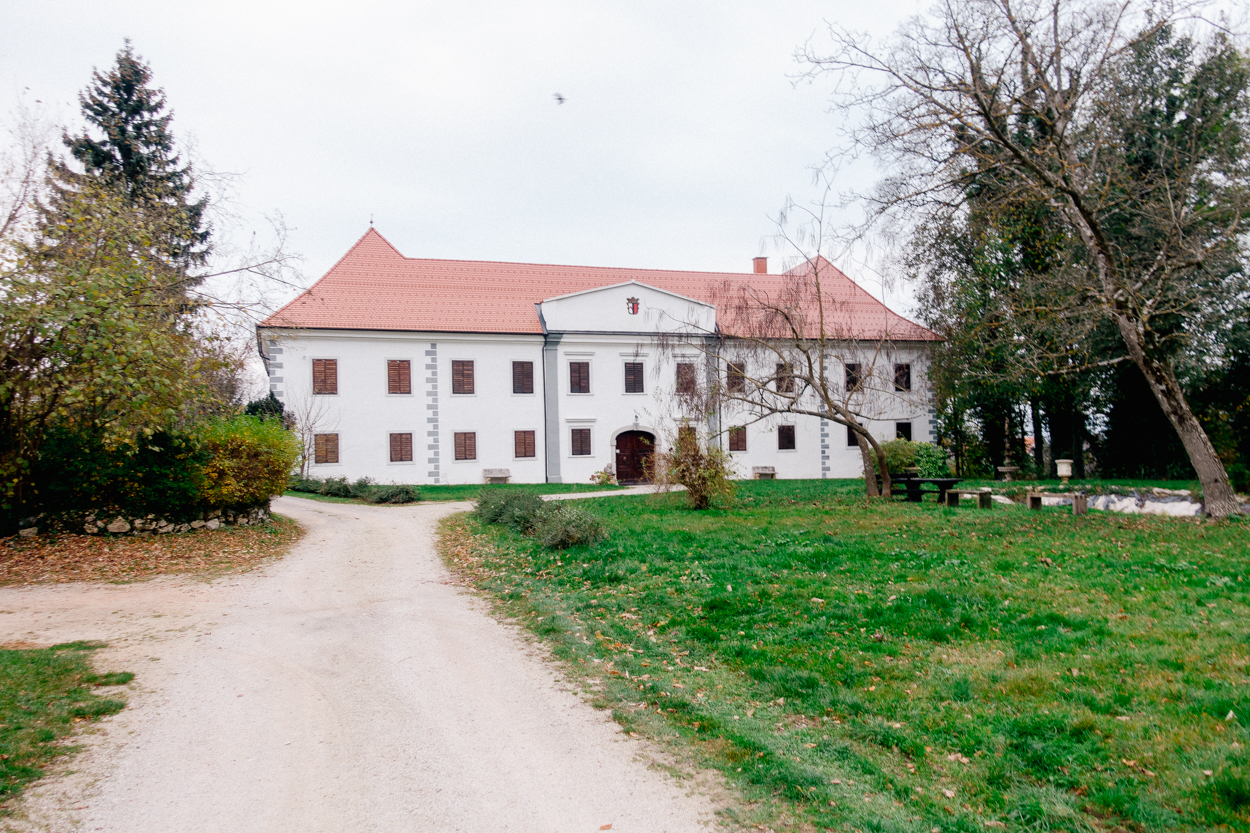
{"type": "Point", "coordinates": [48, 559]}
{"type": "Point", "coordinates": [45, 693]}
{"type": "Point", "coordinates": [858, 665]}
{"type": "Point", "coordinates": [470, 491]}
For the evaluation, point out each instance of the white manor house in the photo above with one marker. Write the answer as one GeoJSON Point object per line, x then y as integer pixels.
{"type": "Point", "coordinates": [422, 371]}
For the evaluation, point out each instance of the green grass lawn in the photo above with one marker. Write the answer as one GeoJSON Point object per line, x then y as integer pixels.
{"type": "Point", "coordinates": [44, 694]}
{"type": "Point", "coordinates": [858, 665]}
{"type": "Point", "coordinates": [470, 491]}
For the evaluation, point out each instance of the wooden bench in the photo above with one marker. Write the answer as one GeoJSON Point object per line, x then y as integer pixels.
{"type": "Point", "coordinates": [985, 498]}
{"type": "Point", "coordinates": [1080, 501]}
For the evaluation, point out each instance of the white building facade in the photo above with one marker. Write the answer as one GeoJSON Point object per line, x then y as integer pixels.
{"type": "Point", "coordinates": [429, 372]}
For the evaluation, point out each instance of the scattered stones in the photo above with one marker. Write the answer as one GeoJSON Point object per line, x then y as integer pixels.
{"type": "Point", "coordinates": [212, 523]}
{"type": "Point", "coordinates": [91, 524]}
{"type": "Point", "coordinates": [28, 532]}
{"type": "Point", "coordinates": [118, 526]}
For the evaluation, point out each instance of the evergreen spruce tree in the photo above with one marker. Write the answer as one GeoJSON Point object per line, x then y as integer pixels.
{"type": "Point", "coordinates": [128, 147]}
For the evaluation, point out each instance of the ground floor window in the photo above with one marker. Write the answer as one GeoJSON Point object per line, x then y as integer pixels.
{"type": "Point", "coordinates": [902, 431]}
{"type": "Point", "coordinates": [580, 442]}
{"type": "Point", "coordinates": [326, 448]}
{"type": "Point", "coordinates": [738, 438]}
{"type": "Point", "coordinates": [852, 439]}
{"type": "Point", "coordinates": [785, 437]}
{"type": "Point", "coordinates": [466, 445]}
{"type": "Point", "coordinates": [524, 442]}
{"type": "Point", "coordinates": [401, 448]}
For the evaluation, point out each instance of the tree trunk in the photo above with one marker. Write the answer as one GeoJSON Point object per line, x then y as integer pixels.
{"type": "Point", "coordinates": [1218, 498]}
{"type": "Point", "coordinates": [1039, 452]}
{"type": "Point", "coordinates": [870, 468]}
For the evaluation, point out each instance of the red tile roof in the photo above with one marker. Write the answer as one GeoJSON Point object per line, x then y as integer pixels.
{"type": "Point", "coordinates": [374, 287]}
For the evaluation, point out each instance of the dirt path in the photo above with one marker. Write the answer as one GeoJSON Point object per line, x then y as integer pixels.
{"type": "Point", "coordinates": [347, 687]}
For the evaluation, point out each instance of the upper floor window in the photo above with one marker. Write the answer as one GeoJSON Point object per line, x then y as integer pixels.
{"type": "Point", "coordinates": [737, 378]}
{"type": "Point", "coordinates": [854, 376]}
{"type": "Point", "coordinates": [902, 377]}
{"type": "Point", "coordinates": [325, 376]}
{"type": "Point", "coordinates": [686, 380]}
{"type": "Point", "coordinates": [633, 377]}
{"type": "Point", "coordinates": [579, 377]}
{"type": "Point", "coordinates": [462, 378]}
{"type": "Point", "coordinates": [785, 437]}
{"type": "Point", "coordinates": [399, 376]}
{"type": "Point", "coordinates": [522, 377]}
{"type": "Point", "coordinates": [785, 379]}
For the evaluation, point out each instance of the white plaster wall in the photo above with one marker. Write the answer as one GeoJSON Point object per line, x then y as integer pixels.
{"type": "Point", "coordinates": [604, 310]}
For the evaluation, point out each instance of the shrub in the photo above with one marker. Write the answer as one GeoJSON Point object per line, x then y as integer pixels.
{"type": "Point", "coordinates": [362, 488]}
{"type": "Point", "coordinates": [515, 509]}
{"type": "Point", "coordinates": [705, 472]}
{"type": "Point", "coordinates": [932, 460]}
{"type": "Point", "coordinates": [603, 478]}
{"type": "Point", "coordinates": [394, 494]}
{"type": "Point", "coordinates": [296, 483]}
{"type": "Point", "coordinates": [560, 526]}
{"type": "Point", "coordinates": [249, 460]}
{"type": "Point", "coordinates": [335, 487]}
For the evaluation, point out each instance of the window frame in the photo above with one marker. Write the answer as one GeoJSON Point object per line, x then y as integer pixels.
{"type": "Point", "coordinates": [899, 432]}
{"type": "Point", "coordinates": [321, 447]}
{"type": "Point", "coordinates": [783, 379]}
{"type": "Point", "coordinates": [585, 380]}
{"type": "Point", "coordinates": [905, 369]}
{"type": "Point", "coordinates": [694, 379]}
{"type": "Point", "coordinates": [736, 377]}
{"type": "Point", "coordinates": [520, 363]}
{"type": "Point", "coordinates": [391, 447]}
{"type": "Point", "coordinates": [783, 430]}
{"type": "Point", "coordinates": [589, 438]}
{"type": "Point", "coordinates": [737, 433]}
{"type": "Point", "coordinates": [854, 376]}
{"type": "Point", "coordinates": [640, 371]}
{"type": "Point", "coordinates": [460, 446]}
{"type": "Point", "coordinates": [516, 445]}
{"type": "Point", "coordinates": [472, 391]}
{"type": "Point", "coordinates": [324, 365]}
{"type": "Point", "coordinates": [400, 379]}
{"type": "Point", "coordinates": [851, 438]}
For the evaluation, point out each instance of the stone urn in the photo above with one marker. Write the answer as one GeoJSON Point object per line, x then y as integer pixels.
{"type": "Point", "coordinates": [1064, 467]}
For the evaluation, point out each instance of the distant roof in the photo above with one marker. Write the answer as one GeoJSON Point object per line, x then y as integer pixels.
{"type": "Point", "coordinates": [374, 287]}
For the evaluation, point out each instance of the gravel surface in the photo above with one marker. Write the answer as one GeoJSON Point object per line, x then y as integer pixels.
{"type": "Point", "coordinates": [347, 687]}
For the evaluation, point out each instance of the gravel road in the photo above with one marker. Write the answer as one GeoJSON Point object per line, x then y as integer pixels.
{"type": "Point", "coordinates": [348, 687]}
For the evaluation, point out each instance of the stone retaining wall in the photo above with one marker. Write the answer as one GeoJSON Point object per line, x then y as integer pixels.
{"type": "Point", "coordinates": [100, 523]}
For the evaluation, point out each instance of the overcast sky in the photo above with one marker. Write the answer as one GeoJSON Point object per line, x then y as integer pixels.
{"type": "Point", "coordinates": [681, 137]}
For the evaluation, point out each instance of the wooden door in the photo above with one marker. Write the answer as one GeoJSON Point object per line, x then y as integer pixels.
{"type": "Point", "coordinates": [633, 450]}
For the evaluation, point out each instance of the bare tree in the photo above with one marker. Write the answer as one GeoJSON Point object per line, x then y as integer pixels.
{"type": "Point", "coordinates": [808, 342]}
{"type": "Point", "coordinates": [1061, 101]}
{"type": "Point", "coordinates": [311, 416]}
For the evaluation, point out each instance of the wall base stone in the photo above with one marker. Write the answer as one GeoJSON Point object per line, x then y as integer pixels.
{"type": "Point", "coordinates": [108, 523]}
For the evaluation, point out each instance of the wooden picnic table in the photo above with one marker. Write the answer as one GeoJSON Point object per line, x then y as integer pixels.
{"type": "Point", "coordinates": [913, 486]}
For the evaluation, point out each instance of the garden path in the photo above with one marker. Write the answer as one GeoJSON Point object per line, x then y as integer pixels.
{"type": "Point", "coordinates": [348, 686]}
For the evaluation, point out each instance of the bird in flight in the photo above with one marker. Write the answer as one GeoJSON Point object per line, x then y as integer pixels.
{"type": "Point", "coordinates": [559, 98]}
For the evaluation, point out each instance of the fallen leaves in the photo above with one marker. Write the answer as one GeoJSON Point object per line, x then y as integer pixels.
{"type": "Point", "coordinates": [64, 558]}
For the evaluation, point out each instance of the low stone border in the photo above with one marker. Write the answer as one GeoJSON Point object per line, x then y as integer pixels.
{"type": "Point", "coordinates": [98, 524]}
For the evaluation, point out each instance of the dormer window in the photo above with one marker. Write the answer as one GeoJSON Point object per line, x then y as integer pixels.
{"type": "Point", "coordinates": [631, 305]}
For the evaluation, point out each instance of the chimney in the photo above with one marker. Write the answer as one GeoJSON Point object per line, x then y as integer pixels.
{"type": "Point", "coordinates": [761, 265]}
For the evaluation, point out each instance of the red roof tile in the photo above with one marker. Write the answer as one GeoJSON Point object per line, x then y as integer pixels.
{"type": "Point", "coordinates": [374, 287]}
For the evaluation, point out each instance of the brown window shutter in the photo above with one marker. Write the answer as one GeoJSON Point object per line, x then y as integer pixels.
{"type": "Point", "coordinates": [737, 381]}
{"type": "Point", "coordinates": [325, 448]}
{"type": "Point", "coordinates": [325, 376]}
{"type": "Point", "coordinates": [468, 379]}
{"type": "Point", "coordinates": [462, 376]}
{"type": "Point", "coordinates": [685, 378]}
{"type": "Point", "coordinates": [579, 377]}
{"type": "Point", "coordinates": [319, 448]}
{"type": "Point", "coordinates": [399, 376]}
{"type": "Point", "coordinates": [522, 377]}
{"type": "Point", "coordinates": [785, 381]}
{"type": "Point", "coordinates": [581, 442]}
{"type": "Point", "coordinates": [319, 376]}
{"type": "Point", "coordinates": [785, 437]}
{"type": "Point", "coordinates": [332, 448]}
{"type": "Point", "coordinates": [633, 377]}
{"type": "Point", "coordinates": [332, 378]}
{"type": "Point", "coordinates": [466, 445]}
{"type": "Point", "coordinates": [525, 444]}
{"type": "Point", "coordinates": [395, 452]}
{"type": "Point", "coordinates": [405, 376]}
{"type": "Point", "coordinates": [738, 439]}
{"type": "Point", "coordinates": [459, 446]}
{"type": "Point", "coordinates": [405, 447]}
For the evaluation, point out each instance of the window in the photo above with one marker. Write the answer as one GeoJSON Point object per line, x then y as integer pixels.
{"type": "Point", "coordinates": [785, 380]}
{"type": "Point", "coordinates": [466, 445]}
{"type": "Point", "coordinates": [524, 441]}
{"type": "Point", "coordinates": [902, 431]}
{"type": "Point", "coordinates": [633, 377]}
{"type": "Point", "coordinates": [523, 378]}
{"type": "Point", "coordinates": [326, 448]}
{"type": "Point", "coordinates": [852, 439]}
{"type": "Point", "coordinates": [399, 376]}
{"type": "Point", "coordinates": [579, 378]}
{"type": "Point", "coordinates": [785, 437]}
{"type": "Point", "coordinates": [902, 377]}
{"type": "Point", "coordinates": [853, 376]}
{"type": "Point", "coordinates": [738, 438]}
{"type": "Point", "coordinates": [325, 377]}
{"type": "Point", "coordinates": [687, 437]}
{"type": "Point", "coordinates": [685, 378]}
{"type": "Point", "coordinates": [401, 448]}
{"type": "Point", "coordinates": [581, 442]}
{"type": "Point", "coordinates": [737, 381]}
{"type": "Point", "coordinates": [462, 378]}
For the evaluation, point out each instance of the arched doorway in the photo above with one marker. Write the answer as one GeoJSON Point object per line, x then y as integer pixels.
{"type": "Point", "coordinates": [633, 453]}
